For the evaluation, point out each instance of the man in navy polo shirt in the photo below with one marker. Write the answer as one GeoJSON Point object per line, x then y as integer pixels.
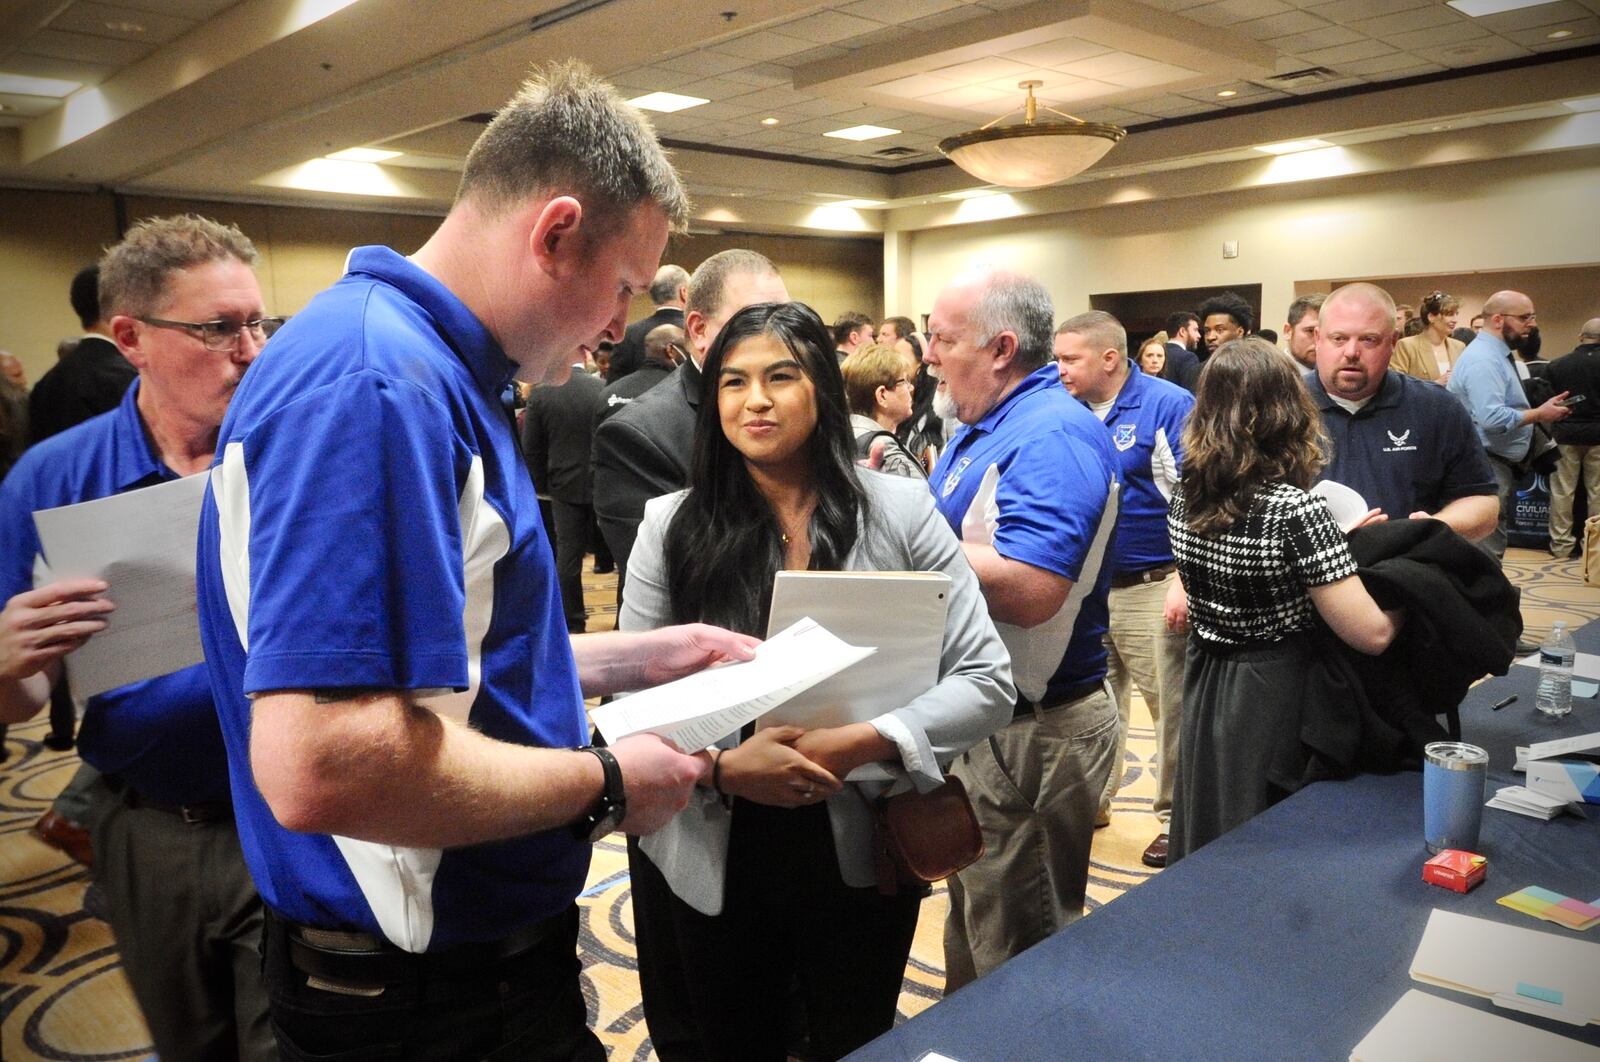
{"type": "Point", "coordinates": [401, 702]}
{"type": "Point", "coordinates": [1403, 444]}
{"type": "Point", "coordinates": [183, 306]}
{"type": "Point", "coordinates": [1030, 486]}
{"type": "Point", "coordinates": [1145, 416]}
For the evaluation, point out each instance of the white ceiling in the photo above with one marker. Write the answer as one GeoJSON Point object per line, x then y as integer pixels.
{"type": "Point", "coordinates": [232, 98]}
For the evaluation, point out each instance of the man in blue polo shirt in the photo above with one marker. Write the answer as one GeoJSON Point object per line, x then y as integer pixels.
{"type": "Point", "coordinates": [1403, 444]}
{"type": "Point", "coordinates": [1030, 486]}
{"type": "Point", "coordinates": [183, 306]}
{"type": "Point", "coordinates": [1145, 416]}
{"type": "Point", "coordinates": [1486, 381]}
{"type": "Point", "coordinates": [400, 699]}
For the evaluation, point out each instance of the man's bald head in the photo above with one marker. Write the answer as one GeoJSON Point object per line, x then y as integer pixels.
{"type": "Point", "coordinates": [660, 341]}
{"type": "Point", "coordinates": [1506, 302]}
{"type": "Point", "coordinates": [11, 368]}
{"type": "Point", "coordinates": [1510, 315]}
{"type": "Point", "coordinates": [1591, 331]}
{"type": "Point", "coordinates": [1361, 294]}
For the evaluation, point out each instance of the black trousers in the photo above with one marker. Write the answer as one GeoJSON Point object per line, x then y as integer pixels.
{"type": "Point", "coordinates": [572, 522]}
{"type": "Point", "coordinates": [528, 1007]}
{"type": "Point", "coordinates": [718, 987]}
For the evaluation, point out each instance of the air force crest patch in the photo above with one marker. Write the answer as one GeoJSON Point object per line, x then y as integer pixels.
{"type": "Point", "coordinates": [1399, 442]}
{"type": "Point", "coordinates": [953, 478]}
{"type": "Point", "coordinates": [1123, 437]}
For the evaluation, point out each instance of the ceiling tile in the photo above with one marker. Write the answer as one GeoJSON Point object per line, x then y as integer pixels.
{"type": "Point", "coordinates": [1578, 29]}
{"type": "Point", "coordinates": [1423, 19]}
{"type": "Point", "coordinates": [761, 46]}
{"type": "Point", "coordinates": [1227, 12]}
{"type": "Point", "coordinates": [1485, 50]}
{"type": "Point", "coordinates": [1330, 37]}
{"type": "Point", "coordinates": [98, 20]}
{"type": "Point", "coordinates": [1282, 25]}
{"type": "Point", "coordinates": [1343, 11]}
{"type": "Point", "coordinates": [828, 27]}
{"type": "Point", "coordinates": [1175, 5]}
{"type": "Point", "coordinates": [1066, 95]}
{"type": "Point", "coordinates": [982, 71]}
{"type": "Point", "coordinates": [953, 17]}
{"type": "Point", "coordinates": [1057, 53]}
{"type": "Point", "coordinates": [816, 54]}
{"type": "Point", "coordinates": [657, 77]}
{"type": "Point", "coordinates": [1177, 107]}
{"type": "Point", "coordinates": [194, 10]}
{"type": "Point", "coordinates": [1113, 63]}
{"type": "Point", "coordinates": [764, 75]}
{"type": "Point", "coordinates": [1052, 80]}
{"type": "Point", "coordinates": [823, 106]}
{"type": "Point", "coordinates": [1466, 29]}
{"type": "Point", "coordinates": [898, 11]}
{"type": "Point", "coordinates": [917, 85]}
{"type": "Point", "coordinates": [87, 49]}
{"type": "Point", "coordinates": [64, 69]}
{"type": "Point", "coordinates": [1380, 64]}
{"type": "Point", "coordinates": [971, 97]}
{"type": "Point", "coordinates": [1149, 77]}
{"type": "Point", "coordinates": [1415, 71]}
{"type": "Point", "coordinates": [1575, 41]}
{"type": "Point", "coordinates": [1347, 52]}
{"type": "Point", "coordinates": [702, 63]}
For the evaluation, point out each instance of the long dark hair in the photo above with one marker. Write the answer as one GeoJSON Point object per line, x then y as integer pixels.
{"type": "Point", "coordinates": [724, 544]}
{"type": "Point", "coordinates": [1253, 425]}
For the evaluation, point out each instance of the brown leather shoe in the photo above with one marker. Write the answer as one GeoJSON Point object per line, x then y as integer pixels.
{"type": "Point", "coordinates": [66, 835]}
{"type": "Point", "coordinates": [1155, 855]}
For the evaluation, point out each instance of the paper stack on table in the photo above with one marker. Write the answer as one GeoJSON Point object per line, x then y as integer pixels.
{"type": "Point", "coordinates": [1520, 969]}
{"type": "Point", "coordinates": [1525, 801]}
{"type": "Point", "coordinates": [1424, 1026]}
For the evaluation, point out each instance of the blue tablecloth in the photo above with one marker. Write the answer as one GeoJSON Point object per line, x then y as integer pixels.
{"type": "Point", "coordinates": [1288, 938]}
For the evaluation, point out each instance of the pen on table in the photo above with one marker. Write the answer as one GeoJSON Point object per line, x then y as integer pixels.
{"type": "Point", "coordinates": [1502, 703]}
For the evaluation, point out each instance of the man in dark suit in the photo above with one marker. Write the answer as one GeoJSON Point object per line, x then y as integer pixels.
{"type": "Point", "coordinates": [669, 291]}
{"type": "Point", "coordinates": [557, 432]}
{"type": "Point", "coordinates": [851, 332]}
{"type": "Point", "coordinates": [644, 450]}
{"type": "Point", "coordinates": [1183, 335]}
{"type": "Point", "coordinates": [664, 348]}
{"type": "Point", "coordinates": [89, 380]}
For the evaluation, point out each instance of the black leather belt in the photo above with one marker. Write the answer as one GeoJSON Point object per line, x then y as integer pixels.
{"type": "Point", "coordinates": [1070, 695]}
{"type": "Point", "coordinates": [1149, 575]}
{"type": "Point", "coordinates": [193, 814]}
{"type": "Point", "coordinates": [360, 958]}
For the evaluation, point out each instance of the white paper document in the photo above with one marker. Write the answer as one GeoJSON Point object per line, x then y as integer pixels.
{"type": "Point", "coordinates": [1425, 1028]}
{"type": "Point", "coordinates": [705, 707]}
{"type": "Point", "coordinates": [1345, 504]}
{"type": "Point", "coordinates": [142, 543]}
{"type": "Point", "coordinates": [1525, 801]}
{"type": "Point", "coordinates": [1586, 666]}
{"type": "Point", "coordinates": [1517, 968]}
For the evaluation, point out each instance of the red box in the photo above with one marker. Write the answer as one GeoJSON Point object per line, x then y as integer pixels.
{"type": "Point", "coordinates": [1455, 869]}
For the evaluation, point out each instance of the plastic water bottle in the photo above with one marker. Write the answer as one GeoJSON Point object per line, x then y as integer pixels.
{"type": "Point", "coordinates": [1556, 656]}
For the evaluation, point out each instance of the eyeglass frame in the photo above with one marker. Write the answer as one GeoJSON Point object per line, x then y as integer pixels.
{"type": "Point", "coordinates": [1523, 317]}
{"type": "Point", "coordinates": [205, 333]}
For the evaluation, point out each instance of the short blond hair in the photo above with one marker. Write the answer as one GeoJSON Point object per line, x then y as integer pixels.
{"type": "Point", "coordinates": [871, 367]}
{"type": "Point", "coordinates": [135, 272]}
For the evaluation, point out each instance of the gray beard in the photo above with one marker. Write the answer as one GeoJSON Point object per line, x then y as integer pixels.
{"type": "Point", "coordinates": [944, 407]}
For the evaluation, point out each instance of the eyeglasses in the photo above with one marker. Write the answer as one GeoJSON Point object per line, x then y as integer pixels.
{"type": "Point", "coordinates": [222, 336]}
{"type": "Point", "coordinates": [1523, 317]}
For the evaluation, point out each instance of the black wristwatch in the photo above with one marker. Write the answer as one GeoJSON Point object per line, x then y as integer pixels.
{"type": "Point", "coordinates": [608, 811]}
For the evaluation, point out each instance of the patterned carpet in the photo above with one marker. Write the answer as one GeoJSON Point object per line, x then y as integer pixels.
{"type": "Point", "coordinates": [63, 996]}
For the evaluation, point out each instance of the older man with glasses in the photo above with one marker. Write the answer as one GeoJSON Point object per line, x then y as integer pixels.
{"type": "Point", "coordinates": [183, 306]}
{"type": "Point", "coordinates": [1486, 381]}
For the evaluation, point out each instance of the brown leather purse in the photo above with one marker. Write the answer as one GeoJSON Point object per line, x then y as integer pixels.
{"type": "Point", "coordinates": [925, 837]}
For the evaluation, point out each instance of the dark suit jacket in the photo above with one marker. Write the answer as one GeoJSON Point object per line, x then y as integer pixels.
{"type": "Point", "coordinates": [644, 452]}
{"type": "Point", "coordinates": [1579, 372]}
{"type": "Point", "coordinates": [629, 354]}
{"type": "Point", "coordinates": [89, 381]}
{"type": "Point", "coordinates": [557, 432]}
{"type": "Point", "coordinates": [618, 396]}
{"type": "Point", "coordinates": [1183, 367]}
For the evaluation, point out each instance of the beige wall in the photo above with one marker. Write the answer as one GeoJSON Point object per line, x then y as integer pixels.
{"type": "Point", "coordinates": [1523, 214]}
{"type": "Point", "coordinates": [46, 237]}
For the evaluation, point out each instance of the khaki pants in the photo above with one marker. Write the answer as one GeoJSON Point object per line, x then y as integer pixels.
{"type": "Point", "coordinates": [1035, 787]}
{"type": "Point", "coordinates": [1144, 653]}
{"type": "Point", "coordinates": [1576, 461]}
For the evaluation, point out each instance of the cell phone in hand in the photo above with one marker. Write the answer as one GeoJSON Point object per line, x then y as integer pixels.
{"type": "Point", "coordinates": [1571, 400]}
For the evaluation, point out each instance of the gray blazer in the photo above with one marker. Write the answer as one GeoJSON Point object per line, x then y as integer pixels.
{"type": "Point", "coordinates": [973, 698]}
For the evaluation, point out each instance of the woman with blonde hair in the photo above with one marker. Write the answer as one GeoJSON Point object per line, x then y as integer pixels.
{"type": "Point", "coordinates": [877, 388]}
{"type": "Point", "coordinates": [1431, 353]}
{"type": "Point", "coordinates": [1261, 561]}
{"type": "Point", "coordinates": [1153, 355]}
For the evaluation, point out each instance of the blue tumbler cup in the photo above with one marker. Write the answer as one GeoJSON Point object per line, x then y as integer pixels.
{"type": "Point", "coordinates": [1453, 779]}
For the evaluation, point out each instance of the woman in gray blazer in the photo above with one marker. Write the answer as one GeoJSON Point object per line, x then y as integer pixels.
{"type": "Point", "coordinates": [766, 879]}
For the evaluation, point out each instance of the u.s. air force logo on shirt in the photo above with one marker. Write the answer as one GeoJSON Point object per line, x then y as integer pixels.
{"type": "Point", "coordinates": [1399, 442]}
{"type": "Point", "coordinates": [1124, 436]}
{"type": "Point", "coordinates": [953, 478]}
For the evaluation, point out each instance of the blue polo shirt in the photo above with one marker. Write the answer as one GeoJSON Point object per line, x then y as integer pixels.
{"type": "Point", "coordinates": [1411, 448]}
{"type": "Point", "coordinates": [370, 523]}
{"type": "Point", "coordinates": [1486, 382]}
{"type": "Point", "coordinates": [1146, 424]}
{"type": "Point", "coordinates": [1052, 497]}
{"type": "Point", "coordinates": [160, 735]}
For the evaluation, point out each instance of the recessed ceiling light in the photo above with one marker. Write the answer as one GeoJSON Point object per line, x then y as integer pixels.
{"type": "Point", "coordinates": [124, 26]}
{"type": "Point", "coordinates": [862, 132]}
{"type": "Point", "coordinates": [1558, 35]}
{"type": "Point", "coordinates": [23, 85]}
{"type": "Point", "coordinates": [362, 155]}
{"type": "Point", "coordinates": [666, 102]}
{"type": "Point", "coordinates": [1479, 8]}
{"type": "Point", "coordinates": [1289, 147]}
{"type": "Point", "coordinates": [1227, 94]}
{"type": "Point", "coordinates": [1587, 103]}
{"type": "Point", "coordinates": [769, 121]}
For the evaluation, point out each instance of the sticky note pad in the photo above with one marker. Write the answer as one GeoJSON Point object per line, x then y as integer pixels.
{"type": "Point", "coordinates": [1553, 907]}
{"type": "Point", "coordinates": [1546, 995]}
